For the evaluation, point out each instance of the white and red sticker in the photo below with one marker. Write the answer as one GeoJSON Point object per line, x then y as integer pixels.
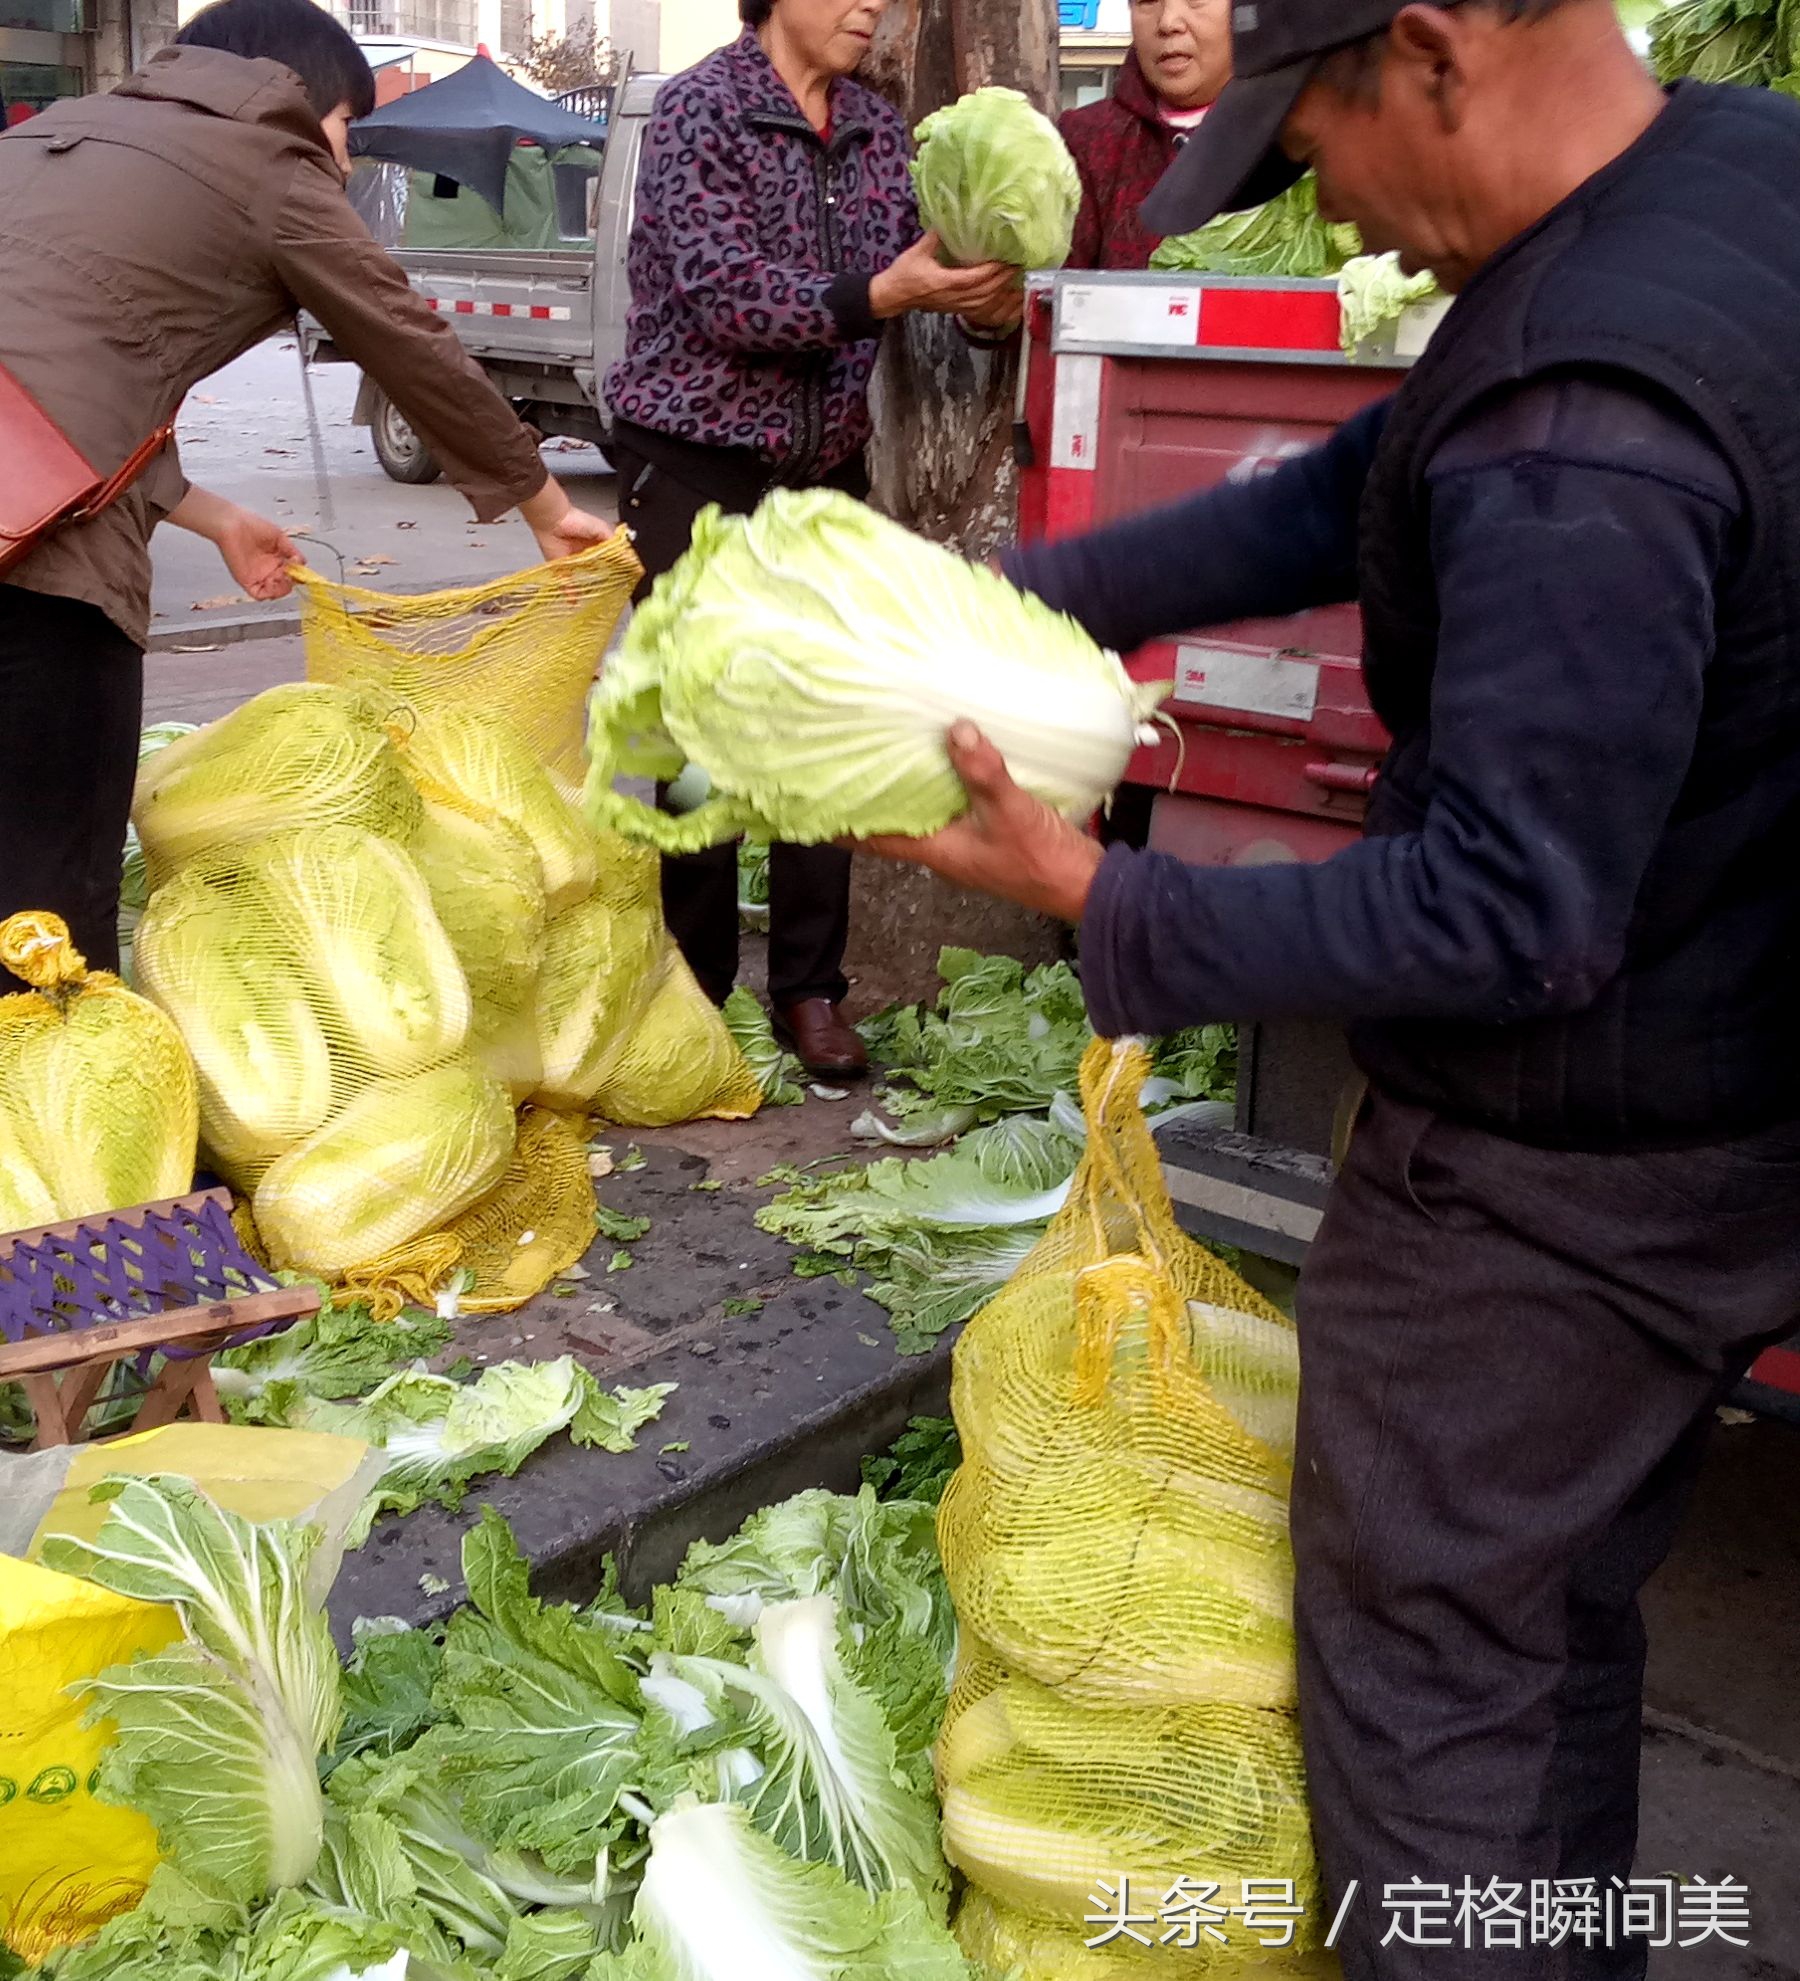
{"type": "Point", "coordinates": [537, 312]}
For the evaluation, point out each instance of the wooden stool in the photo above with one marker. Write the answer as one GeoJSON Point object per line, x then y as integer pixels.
{"type": "Point", "coordinates": [169, 1281]}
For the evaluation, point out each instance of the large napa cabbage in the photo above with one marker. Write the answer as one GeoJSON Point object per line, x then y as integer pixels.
{"type": "Point", "coordinates": [809, 659]}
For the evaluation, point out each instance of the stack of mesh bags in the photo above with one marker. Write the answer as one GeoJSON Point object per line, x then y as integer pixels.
{"type": "Point", "coordinates": [356, 894]}
{"type": "Point", "coordinates": [1121, 1737]}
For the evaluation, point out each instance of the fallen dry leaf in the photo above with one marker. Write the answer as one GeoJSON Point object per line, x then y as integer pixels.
{"type": "Point", "coordinates": [406, 526]}
{"type": "Point", "coordinates": [362, 566]}
{"type": "Point", "coordinates": [218, 604]}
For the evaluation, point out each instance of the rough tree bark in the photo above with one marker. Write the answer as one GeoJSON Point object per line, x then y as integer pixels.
{"type": "Point", "coordinates": [942, 460]}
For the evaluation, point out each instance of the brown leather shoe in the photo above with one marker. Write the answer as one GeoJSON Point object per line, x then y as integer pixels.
{"type": "Point", "coordinates": [816, 1029]}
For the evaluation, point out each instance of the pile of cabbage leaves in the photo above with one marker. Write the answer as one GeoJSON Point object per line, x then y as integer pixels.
{"type": "Point", "coordinates": [993, 1063]}
{"type": "Point", "coordinates": [734, 1778]}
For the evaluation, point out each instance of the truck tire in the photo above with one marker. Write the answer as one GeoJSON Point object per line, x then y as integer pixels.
{"type": "Point", "coordinates": [404, 457]}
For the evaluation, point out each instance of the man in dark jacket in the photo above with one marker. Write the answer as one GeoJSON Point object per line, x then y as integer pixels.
{"type": "Point", "coordinates": [1569, 1216]}
{"type": "Point", "coordinates": [1180, 60]}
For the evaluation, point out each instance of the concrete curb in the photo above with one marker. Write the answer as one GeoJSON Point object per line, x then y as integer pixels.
{"type": "Point", "coordinates": [797, 1405]}
{"type": "Point", "coordinates": [200, 631]}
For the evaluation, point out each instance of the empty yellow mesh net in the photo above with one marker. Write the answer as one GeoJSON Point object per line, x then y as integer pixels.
{"type": "Point", "coordinates": [529, 643]}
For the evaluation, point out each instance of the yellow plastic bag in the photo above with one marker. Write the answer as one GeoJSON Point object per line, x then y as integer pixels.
{"type": "Point", "coordinates": [1115, 1530]}
{"type": "Point", "coordinates": [68, 1862]}
{"type": "Point", "coordinates": [98, 1109]}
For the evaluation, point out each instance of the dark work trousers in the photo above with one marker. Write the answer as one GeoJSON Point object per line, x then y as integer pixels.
{"type": "Point", "coordinates": [1509, 1363]}
{"type": "Point", "coordinates": [71, 705]}
{"type": "Point", "coordinates": [809, 886]}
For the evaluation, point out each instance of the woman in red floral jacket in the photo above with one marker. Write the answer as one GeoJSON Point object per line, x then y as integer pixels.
{"type": "Point", "coordinates": [1180, 60]}
{"type": "Point", "coordinates": [775, 238]}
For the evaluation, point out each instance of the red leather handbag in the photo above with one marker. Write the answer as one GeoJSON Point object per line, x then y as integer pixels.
{"type": "Point", "coordinates": [46, 482]}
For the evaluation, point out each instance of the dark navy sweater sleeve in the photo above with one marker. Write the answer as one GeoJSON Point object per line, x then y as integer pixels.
{"type": "Point", "coordinates": [1271, 544]}
{"type": "Point", "coordinates": [1578, 528]}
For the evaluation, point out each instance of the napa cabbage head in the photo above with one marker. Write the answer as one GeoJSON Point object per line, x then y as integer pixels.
{"type": "Point", "coordinates": [218, 1737]}
{"type": "Point", "coordinates": [996, 181]}
{"type": "Point", "coordinates": [402, 1158]}
{"type": "Point", "coordinates": [299, 754]}
{"type": "Point", "coordinates": [810, 659]}
{"type": "Point", "coordinates": [722, 1902]}
{"type": "Point", "coordinates": [208, 954]}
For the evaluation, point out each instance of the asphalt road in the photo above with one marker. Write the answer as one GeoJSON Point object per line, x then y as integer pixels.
{"type": "Point", "coordinates": [245, 435]}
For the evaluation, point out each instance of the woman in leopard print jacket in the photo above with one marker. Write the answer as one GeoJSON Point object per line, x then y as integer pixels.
{"type": "Point", "coordinates": [775, 237]}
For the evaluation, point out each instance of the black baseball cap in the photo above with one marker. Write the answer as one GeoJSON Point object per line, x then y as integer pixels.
{"type": "Point", "coordinates": [1233, 159]}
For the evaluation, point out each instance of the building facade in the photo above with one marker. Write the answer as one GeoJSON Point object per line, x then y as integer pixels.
{"type": "Point", "coordinates": [1096, 35]}
{"type": "Point", "coordinates": [50, 49]}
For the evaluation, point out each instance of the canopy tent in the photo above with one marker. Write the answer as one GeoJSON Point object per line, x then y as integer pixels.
{"type": "Point", "coordinates": [465, 128]}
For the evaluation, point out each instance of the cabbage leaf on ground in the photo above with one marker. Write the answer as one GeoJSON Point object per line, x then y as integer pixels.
{"type": "Point", "coordinates": [340, 1351]}
{"type": "Point", "coordinates": [438, 1435]}
{"type": "Point", "coordinates": [496, 1798]}
{"type": "Point", "coordinates": [778, 1072]}
{"type": "Point", "coordinates": [218, 1736]}
{"type": "Point", "coordinates": [939, 1236]}
{"type": "Point", "coordinates": [720, 1900]}
{"type": "Point", "coordinates": [1006, 1040]}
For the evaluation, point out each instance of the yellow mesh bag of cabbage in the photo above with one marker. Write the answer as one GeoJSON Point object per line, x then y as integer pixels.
{"type": "Point", "coordinates": [293, 755]}
{"type": "Point", "coordinates": [528, 643]}
{"type": "Point", "coordinates": [97, 1101]}
{"type": "Point", "coordinates": [1005, 1945]}
{"type": "Point", "coordinates": [1118, 1527]}
{"type": "Point", "coordinates": [623, 1028]}
{"type": "Point", "coordinates": [1048, 1801]}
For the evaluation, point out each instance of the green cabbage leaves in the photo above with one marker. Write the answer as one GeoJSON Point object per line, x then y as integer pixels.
{"type": "Point", "coordinates": [996, 181]}
{"type": "Point", "coordinates": [811, 657]}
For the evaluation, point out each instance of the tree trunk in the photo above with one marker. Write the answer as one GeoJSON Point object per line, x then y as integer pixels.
{"type": "Point", "coordinates": [943, 462]}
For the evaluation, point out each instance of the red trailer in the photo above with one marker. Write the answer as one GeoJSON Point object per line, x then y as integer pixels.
{"type": "Point", "coordinates": [1138, 389]}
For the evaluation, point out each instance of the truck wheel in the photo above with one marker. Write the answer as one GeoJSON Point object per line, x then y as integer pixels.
{"type": "Point", "coordinates": [404, 457]}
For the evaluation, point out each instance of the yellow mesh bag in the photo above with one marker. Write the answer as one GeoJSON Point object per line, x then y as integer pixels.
{"type": "Point", "coordinates": [625, 1029]}
{"type": "Point", "coordinates": [487, 885]}
{"type": "Point", "coordinates": [622, 1028]}
{"type": "Point", "coordinates": [536, 1224]}
{"type": "Point", "coordinates": [1047, 1801]}
{"type": "Point", "coordinates": [1005, 1945]}
{"type": "Point", "coordinates": [293, 755]}
{"type": "Point", "coordinates": [529, 643]}
{"type": "Point", "coordinates": [1115, 1529]}
{"type": "Point", "coordinates": [98, 1109]}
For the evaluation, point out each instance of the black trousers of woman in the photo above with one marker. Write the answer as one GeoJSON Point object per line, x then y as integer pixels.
{"type": "Point", "coordinates": [809, 886]}
{"type": "Point", "coordinates": [71, 705]}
